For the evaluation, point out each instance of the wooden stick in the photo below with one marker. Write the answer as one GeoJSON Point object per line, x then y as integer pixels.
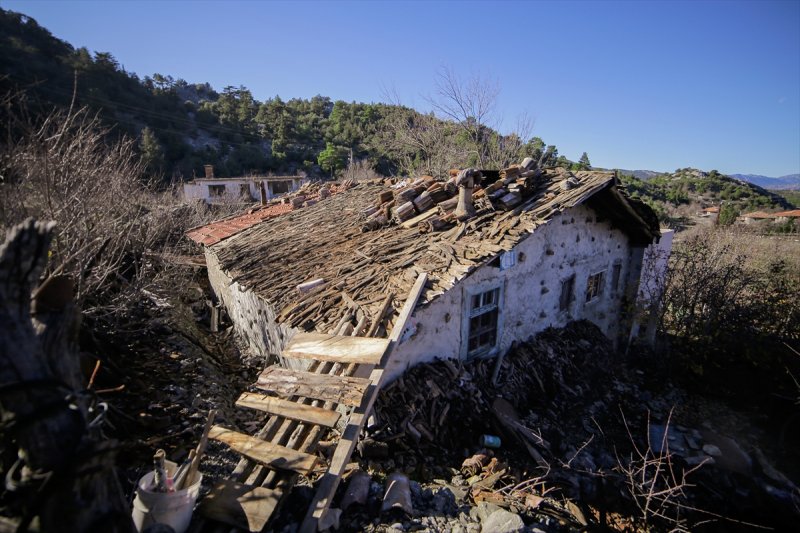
{"type": "Point", "coordinates": [199, 451]}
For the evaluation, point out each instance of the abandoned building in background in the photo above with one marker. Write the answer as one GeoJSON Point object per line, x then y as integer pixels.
{"type": "Point", "coordinates": [528, 253]}
{"type": "Point", "coordinates": [243, 189]}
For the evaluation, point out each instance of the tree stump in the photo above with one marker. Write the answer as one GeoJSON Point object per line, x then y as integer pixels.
{"type": "Point", "coordinates": [62, 471]}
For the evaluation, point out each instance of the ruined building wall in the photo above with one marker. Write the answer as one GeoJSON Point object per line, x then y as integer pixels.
{"type": "Point", "coordinates": [573, 243]}
{"type": "Point", "coordinates": [253, 318]}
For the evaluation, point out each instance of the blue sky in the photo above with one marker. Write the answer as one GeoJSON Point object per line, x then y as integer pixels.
{"type": "Point", "coordinates": [640, 85]}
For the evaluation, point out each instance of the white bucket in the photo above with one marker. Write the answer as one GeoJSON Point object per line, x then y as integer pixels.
{"type": "Point", "coordinates": [171, 508]}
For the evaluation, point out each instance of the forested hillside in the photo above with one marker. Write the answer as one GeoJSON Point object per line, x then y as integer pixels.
{"type": "Point", "coordinates": [180, 125]}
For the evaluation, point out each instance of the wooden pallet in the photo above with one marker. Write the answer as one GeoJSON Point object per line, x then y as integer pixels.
{"type": "Point", "coordinates": [303, 407]}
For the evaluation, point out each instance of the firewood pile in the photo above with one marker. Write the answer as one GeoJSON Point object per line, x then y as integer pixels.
{"type": "Point", "coordinates": [372, 240]}
{"type": "Point", "coordinates": [543, 387]}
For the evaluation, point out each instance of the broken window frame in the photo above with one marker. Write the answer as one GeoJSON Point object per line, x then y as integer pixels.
{"type": "Point", "coordinates": [489, 300]}
{"type": "Point", "coordinates": [216, 191]}
{"type": "Point", "coordinates": [567, 295]}
{"type": "Point", "coordinates": [283, 187]}
{"type": "Point", "coordinates": [594, 285]}
{"type": "Point", "coordinates": [244, 191]}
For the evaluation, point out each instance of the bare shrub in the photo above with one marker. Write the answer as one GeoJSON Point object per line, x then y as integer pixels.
{"type": "Point", "coordinates": [655, 483]}
{"type": "Point", "coordinates": [68, 167]}
{"type": "Point", "coordinates": [731, 308]}
{"type": "Point", "coordinates": [360, 171]}
{"type": "Point", "coordinates": [719, 286]}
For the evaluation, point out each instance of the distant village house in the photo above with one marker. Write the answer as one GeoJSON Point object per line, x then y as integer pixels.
{"type": "Point", "coordinates": [243, 189]}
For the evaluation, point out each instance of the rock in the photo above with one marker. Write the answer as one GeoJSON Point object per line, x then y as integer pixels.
{"type": "Point", "coordinates": [444, 501]}
{"type": "Point", "coordinates": [695, 460]}
{"type": "Point", "coordinates": [481, 512]}
{"type": "Point", "coordinates": [712, 450]}
{"type": "Point", "coordinates": [731, 456]}
{"type": "Point", "coordinates": [502, 521]}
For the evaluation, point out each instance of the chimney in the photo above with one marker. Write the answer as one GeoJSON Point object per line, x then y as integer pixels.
{"type": "Point", "coordinates": [466, 182]}
{"type": "Point", "coordinates": [209, 171]}
{"type": "Point", "coordinates": [263, 192]}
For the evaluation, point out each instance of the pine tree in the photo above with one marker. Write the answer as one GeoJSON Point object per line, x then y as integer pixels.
{"type": "Point", "coordinates": [584, 162]}
{"type": "Point", "coordinates": [152, 153]}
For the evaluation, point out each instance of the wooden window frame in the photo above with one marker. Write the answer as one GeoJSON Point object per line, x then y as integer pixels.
{"type": "Point", "coordinates": [595, 285]}
{"type": "Point", "coordinates": [470, 312]}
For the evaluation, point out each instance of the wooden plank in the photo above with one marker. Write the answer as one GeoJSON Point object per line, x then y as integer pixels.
{"type": "Point", "coordinates": [411, 222]}
{"type": "Point", "coordinates": [242, 506]}
{"type": "Point", "coordinates": [287, 409]}
{"type": "Point", "coordinates": [264, 452]}
{"type": "Point", "coordinates": [338, 389]}
{"type": "Point", "coordinates": [341, 456]}
{"type": "Point", "coordinates": [337, 348]}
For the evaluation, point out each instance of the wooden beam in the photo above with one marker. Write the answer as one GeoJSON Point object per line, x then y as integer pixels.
{"type": "Point", "coordinates": [287, 409]}
{"type": "Point", "coordinates": [341, 456]}
{"type": "Point", "coordinates": [264, 452]}
{"type": "Point", "coordinates": [336, 348]}
{"type": "Point", "coordinates": [288, 383]}
{"type": "Point", "coordinates": [242, 506]}
{"type": "Point", "coordinates": [411, 222]}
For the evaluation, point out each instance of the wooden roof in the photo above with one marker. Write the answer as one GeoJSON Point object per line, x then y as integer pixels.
{"type": "Point", "coordinates": [360, 268]}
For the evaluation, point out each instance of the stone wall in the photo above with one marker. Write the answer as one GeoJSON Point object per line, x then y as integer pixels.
{"type": "Point", "coordinates": [253, 318]}
{"type": "Point", "coordinates": [573, 243]}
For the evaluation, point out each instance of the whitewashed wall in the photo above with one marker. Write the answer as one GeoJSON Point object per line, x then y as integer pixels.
{"type": "Point", "coordinates": [570, 243]}
{"type": "Point", "coordinates": [253, 318]}
{"type": "Point", "coordinates": [199, 190]}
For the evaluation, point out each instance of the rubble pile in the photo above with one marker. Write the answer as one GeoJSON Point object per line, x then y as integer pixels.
{"type": "Point", "coordinates": [579, 439]}
{"type": "Point", "coordinates": [443, 408]}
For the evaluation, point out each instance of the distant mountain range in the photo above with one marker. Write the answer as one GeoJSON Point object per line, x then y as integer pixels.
{"type": "Point", "coordinates": [789, 182]}
{"type": "Point", "coordinates": [783, 183]}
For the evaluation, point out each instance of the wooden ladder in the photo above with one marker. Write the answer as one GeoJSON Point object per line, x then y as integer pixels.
{"type": "Point", "coordinates": [303, 407]}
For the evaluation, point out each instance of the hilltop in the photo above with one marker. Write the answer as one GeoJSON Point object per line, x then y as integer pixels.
{"type": "Point", "coordinates": [681, 195]}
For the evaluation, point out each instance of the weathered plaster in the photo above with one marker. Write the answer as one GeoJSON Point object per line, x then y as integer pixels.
{"type": "Point", "coordinates": [254, 319]}
{"type": "Point", "coordinates": [574, 242]}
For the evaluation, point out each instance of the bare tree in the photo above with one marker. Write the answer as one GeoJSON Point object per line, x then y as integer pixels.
{"type": "Point", "coordinates": [460, 132]}
{"type": "Point", "coordinates": [422, 143]}
{"type": "Point", "coordinates": [504, 150]}
{"type": "Point", "coordinates": [471, 104]}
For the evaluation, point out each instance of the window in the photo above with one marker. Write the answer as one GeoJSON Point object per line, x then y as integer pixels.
{"type": "Point", "coordinates": [567, 293]}
{"type": "Point", "coordinates": [615, 274]}
{"type": "Point", "coordinates": [216, 190]}
{"type": "Point", "coordinates": [594, 286]}
{"type": "Point", "coordinates": [484, 309]}
{"type": "Point", "coordinates": [244, 191]}
{"type": "Point", "coordinates": [279, 187]}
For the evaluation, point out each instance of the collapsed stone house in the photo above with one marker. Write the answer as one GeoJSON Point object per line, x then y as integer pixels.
{"type": "Point", "coordinates": [564, 246]}
{"type": "Point", "coordinates": [211, 189]}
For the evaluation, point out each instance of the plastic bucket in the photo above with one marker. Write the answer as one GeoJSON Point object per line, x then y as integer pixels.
{"type": "Point", "coordinates": [171, 508]}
